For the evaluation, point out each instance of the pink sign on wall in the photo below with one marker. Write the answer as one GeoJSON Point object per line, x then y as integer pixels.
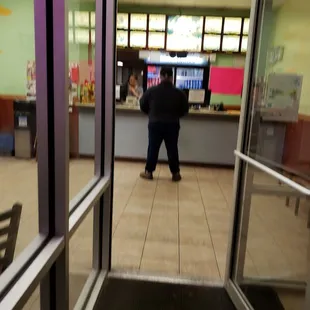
{"type": "Point", "coordinates": [226, 81]}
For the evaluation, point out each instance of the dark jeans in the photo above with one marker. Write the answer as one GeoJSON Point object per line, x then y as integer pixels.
{"type": "Point", "coordinates": [169, 133]}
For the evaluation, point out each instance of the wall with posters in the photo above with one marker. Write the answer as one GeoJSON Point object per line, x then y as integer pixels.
{"type": "Point", "coordinates": [290, 32]}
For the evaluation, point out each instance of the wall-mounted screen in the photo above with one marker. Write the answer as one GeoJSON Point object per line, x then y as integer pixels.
{"type": "Point", "coordinates": [156, 40]}
{"type": "Point", "coordinates": [70, 18]}
{"type": "Point", "coordinates": [82, 36]}
{"type": "Point", "coordinates": [246, 26]}
{"type": "Point", "coordinates": [232, 25]}
{"type": "Point", "coordinates": [81, 19]}
{"type": "Point", "coordinates": [213, 25]}
{"type": "Point", "coordinates": [212, 42]}
{"type": "Point", "coordinates": [157, 22]}
{"type": "Point", "coordinates": [122, 21]}
{"type": "Point", "coordinates": [244, 44]}
{"type": "Point", "coordinates": [230, 43]}
{"type": "Point", "coordinates": [138, 21]}
{"type": "Point", "coordinates": [70, 35]}
{"type": "Point", "coordinates": [93, 19]}
{"type": "Point", "coordinates": [184, 33]}
{"type": "Point", "coordinates": [188, 78]}
{"type": "Point", "coordinates": [138, 39]}
{"type": "Point", "coordinates": [122, 38]}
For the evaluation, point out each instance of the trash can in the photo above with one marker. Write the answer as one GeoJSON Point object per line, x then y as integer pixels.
{"type": "Point", "coordinates": [24, 128]}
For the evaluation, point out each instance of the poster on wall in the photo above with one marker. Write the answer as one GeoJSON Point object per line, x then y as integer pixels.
{"type": "Point", "coordinates": [31, 90]}
{"type": "Point", "coordinates": [282, 97]}
{"type": "Point", "coordinates": [184, 29]}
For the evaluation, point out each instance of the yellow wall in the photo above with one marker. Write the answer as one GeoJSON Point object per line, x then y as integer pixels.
{"type": "Point", "coordinates": [292, 30]}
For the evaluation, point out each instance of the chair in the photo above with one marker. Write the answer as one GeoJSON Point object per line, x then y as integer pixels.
{"type": "Point", "coordinates": [9, 225]}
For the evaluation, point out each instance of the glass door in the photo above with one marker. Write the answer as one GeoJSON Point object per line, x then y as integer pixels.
{"type": "Point", "coordinates": [268, 263]}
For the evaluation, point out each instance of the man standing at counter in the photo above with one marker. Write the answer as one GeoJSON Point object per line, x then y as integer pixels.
{"type": "Point", "coordinates": [165, 105]}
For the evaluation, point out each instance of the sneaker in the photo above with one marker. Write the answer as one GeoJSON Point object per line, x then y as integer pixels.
{"type": "Point", "coordinates": [146, 175]}
{"type": "Point", "coordinates": [176, 177]}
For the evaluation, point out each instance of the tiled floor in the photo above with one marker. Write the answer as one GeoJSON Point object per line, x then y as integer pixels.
{"type": "Point", "coordinates": [166, 228]}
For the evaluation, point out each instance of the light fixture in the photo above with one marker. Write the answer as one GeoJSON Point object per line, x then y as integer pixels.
{"type": "Point", "coordinates": [119, 63]}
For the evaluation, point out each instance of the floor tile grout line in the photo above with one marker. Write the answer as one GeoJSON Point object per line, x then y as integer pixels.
{"type": "Point", "coordinates": [133, 188]}
{"type": "Point", "coordinates": [148, 224]}
{"type": "Point", "coordinates": [206, 217]}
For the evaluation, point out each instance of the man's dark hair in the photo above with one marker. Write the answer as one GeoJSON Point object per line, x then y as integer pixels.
{"type": "Point", "coordinates": [166, 72]}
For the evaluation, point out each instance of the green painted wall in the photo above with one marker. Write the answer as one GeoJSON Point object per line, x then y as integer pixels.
{"type": "Point", "coordinates": [291, 30]}
{"type": "Point", "coordinates": [17, 42]}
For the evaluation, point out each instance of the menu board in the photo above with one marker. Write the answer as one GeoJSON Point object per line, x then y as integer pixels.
{"type": "Point", "coordinates": [156, 40]}
{"type": "Point", "coordinates": [213, 25]}
{"type": "Point", "coordinates": [157, 22]}
{"type": "Point", "coordinates": [184, 33]}
{"type": "Point", "coordinates": [81, 19]}
{"type": "Point", "coordinates": [212, 42]}
{"type": "Point", "coordinates": [93, 19]}
{"type": "Point", "coordinates": [82, 36]}
{"type": "Point", "coordinates": [138, 21]}
{"type": "Point", "coordinates": [70, 18]}
{"type": "Point", "coordinates": [122, 21]}
{"type": "Point", "coordinates": [246, 26]}
{"type": "Point", "coordinates": [70, 35]}
{"type": "Point", "coordinates": [138, 39]}
{"type": "Point", "coordinates": [244, 44]}
{"type": "Point", "coordinates": [93, 36]}
{"type": "Point", "coordinates": [232, 25]}
{"type": "Point", "coordinates": [230, 43]}
{"type": "Point", "coordinates": [122, 38]}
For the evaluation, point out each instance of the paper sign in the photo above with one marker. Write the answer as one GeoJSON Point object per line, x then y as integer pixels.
{"type": "Point", "coordinates": [196, 96]}
{"type": "Point", "coordinates": [22, 121]}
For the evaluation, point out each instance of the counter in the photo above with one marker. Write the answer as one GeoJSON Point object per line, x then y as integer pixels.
{"type": "Point", "coordinates": [206, 137]}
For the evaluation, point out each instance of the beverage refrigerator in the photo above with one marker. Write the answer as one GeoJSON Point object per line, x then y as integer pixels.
{"type": "Point", "coordinates": [185, 77]}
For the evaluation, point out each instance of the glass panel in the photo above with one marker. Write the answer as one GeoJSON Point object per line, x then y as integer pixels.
{"type": "Point", "coordinates": [156, 40]}
{"type": "Point", "coordinates": [184, 29]}
{"type": "Point", "coordinates": [71, 38]}
{"type": "Point", "coordinates": [244, 44]}
{"type": "Point", "coordinates": [82, 36]}
{"type": "Point", "coordinates": [157, 22]}
{"type": "Point", "coordinates": [230, 43]}
{"type": "Point", "coordinates": [18, 132]}
{"type": "Point", "coordinates": [81, 19]}
{"type": "Point", "coordinates": [138, 39]}
{"type": "Point", "coordinates": [274, 247]}
{"type": "Point", "coordinates": [138, 21]}
{"type": "Point", "coordinates": [122, 21]}
{"type": "Point", "coordinates": [70, 18]}
{"type": "Point", "coordinates": [232, 25]}
{"type": "Point", "coordinates": [213, 25]}
{"type": "Point", "coordinates": [212, 42]}
{"type": "Point", "coordinates": [92, 19]}
{"type": "Point", "coordinates": [122, 38]}
{"type": "Point", "coordinates": [246, 25]}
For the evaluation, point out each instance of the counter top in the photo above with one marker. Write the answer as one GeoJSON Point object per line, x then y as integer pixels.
{"type": "Point", "coordinates": [201, 112]}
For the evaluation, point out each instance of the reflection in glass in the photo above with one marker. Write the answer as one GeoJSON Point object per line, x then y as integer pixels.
{"type": "Point", "coordinates": [138, 21]}
{"type": "Point", "coordinates": [244, 44]}
{"type": "Point", "coordinates": [138, 39]}
{"type": "Point", "coordinates": [70, 18]}
{"type": "Point", "coordinates": [213, 25]}
{"type": "Point", "coordinates": [231, 43]}
{"type": "Point", "coordinates": [81, 19]}
{"type": "Point", "coordinates": [82, 36]}
{"type": "Point", "coordinates": [122, 38]}
{"type": "Point", "coordinates": [157, 22]}
{"type": "Point", "coordinates": [183, 29]}
{"type": "Point", "coordinates": [70, 35]}
{"type": "Point", "coordinates": [232, 25]}
{"type": "Point", "coordinates": [246, 26]}
{"type": "Point", "coordinates": [122, 21]}
{"type": "Point", "coordinates": [156, 40]}
{"type": "Point", "coordinates": [93, 19]}
{"type": "Point", "coordinates": [212, 42]}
